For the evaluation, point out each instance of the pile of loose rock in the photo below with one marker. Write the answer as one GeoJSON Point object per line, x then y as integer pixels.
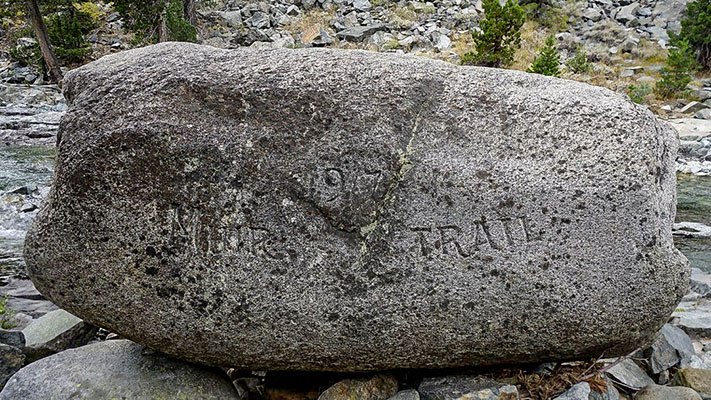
{"type": "Point", "coordinates": [405, 25]}
{"type": "Point", "coordinates": [609, 21]}
{"type": "Point", "coordinates": [701, 109]}
{"type": "Point", "coordinates": [694, 145]}
{"type": "Point", "coordinates": [426, 26]}
{"type": "Point", "coordinates": [676, 366]}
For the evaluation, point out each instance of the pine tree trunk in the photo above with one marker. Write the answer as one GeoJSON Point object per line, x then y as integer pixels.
{"type": "Point", "coordinates": [189, 11]}
{"type": "Point", "coordinates": [162, 30]}
{"type": "Point", "coordinates": [55, 73]}
{"type": "Point", "coordinates": [704, 57]}
{"type": "Point", "coordinates": [162, 24]}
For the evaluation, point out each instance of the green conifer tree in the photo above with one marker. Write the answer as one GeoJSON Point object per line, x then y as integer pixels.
{"type": "Point", "coordinates": [156, 20]}
{"type": "Point", "coordinates": [500, 35]}
{"type": "Point", "coordinates": [677, 72]}
{"type": "Point", "coordinates": [548, 61]}
{"type": "Point", "coordinates": [696, 29]}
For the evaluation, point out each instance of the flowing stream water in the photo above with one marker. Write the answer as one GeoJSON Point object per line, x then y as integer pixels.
{"type": "Point", "coordinates": [694, 205]}
{"type": "Point", "coordinates": [25, 177]}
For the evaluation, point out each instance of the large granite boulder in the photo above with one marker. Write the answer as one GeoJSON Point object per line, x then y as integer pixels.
{"type": "Point", "coordinates": [117, 369]}
{"type": "Point", "coordinates": [331, 210]}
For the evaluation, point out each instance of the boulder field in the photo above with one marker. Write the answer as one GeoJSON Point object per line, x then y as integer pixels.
{"type": "Point", "coordinates": [329, 210]}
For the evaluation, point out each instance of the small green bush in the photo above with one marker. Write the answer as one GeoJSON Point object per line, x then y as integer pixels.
{"type": "Point", "coordinates": [30, 56]}
{"type": "Point", "coordinates": [144, 18]}
{"type": "Point", "coordinates": [638, 93]}
{"type": "Point", "coordinates": [178, 28]}
{"type": "Point", "coordinates": [548, 60]}
{"type": "Point", "coordinates": [579, 63]}
{"type": "Point", "coordinates": [6, 314]}
{"type": "Point", "coordinates": [500, 35]}
{"type": "Point", "coordinates": [677, 72]}
{"type": "Point", "coordinates": [90, 9]}
{"type": "Point", "coordinates": [26, 55]}
{"type": "Point", "coordinates": [65, 34]}
{"type": "Point", "coordinates": [547, 13]}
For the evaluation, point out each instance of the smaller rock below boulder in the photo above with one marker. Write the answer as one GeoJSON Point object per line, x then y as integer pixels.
{"type": "Point", "coordinates": [692, 229]}
{"type": "Point", "coordinates": [11, 360]}
{"type": "Point", "coordinates": [26, 190]}
{"type": "Point", "coordinates": [379, 387]}
{"type": "Point", "coordinates": [693, 107]}
{"type": "Point", "coordinates": [672, 347]}
{"type": "Point", "coordinates": [12, 338]}
{"type": "Point", "coordinates": [629, 374]}
{"type": "Point", "coordinates": [610, 392]}
{"type": "Point", "coordinates": [23, 298]}
{"type": "Point", "coordinates": [409, 394]}
{"type": "Point", "coordinates": [465, 387]}
{"type": "Point", "coordinates": [703, 114]}
{"type": "Point", "coordinates": [695, 322]}
{"type": "Point", "coordinates": [579, 391]}
{"type": "Point", "coordinates": [54, 332]}
{"type": "Point", "coordinates": [657, 392]}
{"type": "Point", "coordinates": [701, 281]}
{"type": "Point", "coordinates": [697, 379]}
{"type": "Point", "coordinates": [116, 369]}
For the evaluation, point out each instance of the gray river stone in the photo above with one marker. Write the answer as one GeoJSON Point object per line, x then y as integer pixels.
{"type": "Point", "coordinates": [348, 210]}
{"type": "Point", "coordinates": [116, 369]}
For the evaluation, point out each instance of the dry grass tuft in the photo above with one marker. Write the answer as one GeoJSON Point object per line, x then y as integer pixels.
{"type": "Point", "coordinates": [532, 38]}
{"type": "Point", "coordinates": [462, 43]}
{"type": "Point", "coordinates": [542, 387]}
{"type": "Point", "coordinates": [309, 20]}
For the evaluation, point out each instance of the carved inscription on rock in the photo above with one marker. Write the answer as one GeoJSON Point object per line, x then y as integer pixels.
{"type": "Point", "coordinates": [466, 239]}
{"type": "Point", "coordinates": [204, 233]}
{"type": "Point", "coordinates": [349, 196]}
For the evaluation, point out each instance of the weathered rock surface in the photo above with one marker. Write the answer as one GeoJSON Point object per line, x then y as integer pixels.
{"type": "Point", "coordinates": [608, 393]}
{"type": "Point", "coordinates": [630, 375]}
{"type": "Point", "coordinates": [457, 387]}
{"type": "Point", "coordinates": [700, 282]}
{"type": "Point", "coordinates": [116, 369]}
{"type": "Point", "coordinates": [579, 391]}
{"type": "Point", "coordinates": [11, 360]}
{"type": "Point", "coordinates": [657, 392]}
{"type": "Point", "coordinates": [379, 387]}
{"type": "Point", "coordinates": [410, 394]}
{"type": "Point", "coordinates": [319, 209]}
{"type": "Point", "coordinates": [12, 338]}
{"type": "Point", "coordinates": [54, 332]}
{"type": "Point", "coordinates": [672, 347]}
{"type": "Point", "coordinates": [695, 378]}
{"type": "Point", "coordinates": [23, 298]}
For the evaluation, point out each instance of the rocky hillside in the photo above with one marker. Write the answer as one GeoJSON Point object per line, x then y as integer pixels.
{"type": "Point", "coordinates": [413, 26]}
{"type": "Point", "coordinates": [605, 28]}
{"type": "Point", "coordinates": [625, 41]}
